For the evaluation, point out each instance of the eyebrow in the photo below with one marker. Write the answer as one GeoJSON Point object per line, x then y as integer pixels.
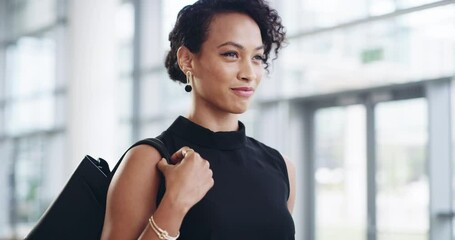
{"type": "Point", "coordinates": [238, 45]}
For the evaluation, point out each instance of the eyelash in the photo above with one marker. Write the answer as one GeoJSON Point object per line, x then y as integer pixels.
{"type": "Point", "coordinates": [230, 54]}
{"type": "Point", "coordinates": [234, 54]}
{"type": "Point", "coordinates": [260, 58]}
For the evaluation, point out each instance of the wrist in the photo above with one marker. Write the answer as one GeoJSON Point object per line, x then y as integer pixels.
{"type": "Point", "coordinates": [175, 207]}
{"type": "Point", "coordinates": [168, 217]}
{"type": "Point", "coordinates": [161, 233]}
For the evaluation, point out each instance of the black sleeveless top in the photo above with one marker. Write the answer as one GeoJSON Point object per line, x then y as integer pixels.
{"type": "Point", "coordinates": [249, 198]}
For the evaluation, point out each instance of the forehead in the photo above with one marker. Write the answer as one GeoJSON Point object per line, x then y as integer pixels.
{"type": "Point", "coordinates": [235, 27]}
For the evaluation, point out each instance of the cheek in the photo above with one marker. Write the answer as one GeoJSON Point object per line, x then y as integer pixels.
{"type": "Point", "coordinates": [211, 80]}
{"type": "Point", "coordinates": [260, 74]}
{"type": "Point", "coordinates": [219, 74]}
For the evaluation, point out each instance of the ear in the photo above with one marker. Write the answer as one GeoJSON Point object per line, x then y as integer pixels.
{"type": "Point", "coordinates": [185, 59]}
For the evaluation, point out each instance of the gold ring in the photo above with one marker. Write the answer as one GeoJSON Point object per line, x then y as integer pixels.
{"type": "Point", "coordinates": [185, 151]}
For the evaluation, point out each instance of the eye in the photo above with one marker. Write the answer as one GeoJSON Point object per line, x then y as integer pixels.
{"type": "Point", "coordinates": [230, 54]}
{"type": "Point", "coordinates": [260, 58]}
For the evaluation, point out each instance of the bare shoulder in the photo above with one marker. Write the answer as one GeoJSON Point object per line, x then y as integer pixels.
{"type": "Point", "coordinates": [132, 194]}
{"type": "Point", "coordinates": [139, 157]}
{"type": "Point", "coordinates": [291, 173]}
{"type": "Point", "coordinates": [137, 170]}
{"type": "Point", "coordinates": [290, 166]}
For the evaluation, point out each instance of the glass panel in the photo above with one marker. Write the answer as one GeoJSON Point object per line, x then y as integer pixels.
{"type": "Point", "coordinates": [416, 46]}
{"type": "Point", "coordinates": [380, 7]}
{"type": "Point", "coordinates": [313, 14]}
{"type": "Point", "coordinates": [158, 90]}
{"type": "Point", "coordinates": [170, 9]}
{"type": "Point", "coordinates": [54, 164]}
{"type": "Point", "coordinates": [125, 36]}
{"type": "Point", "coordinates": [30, 66]}
{"type": "Point", "coordinates": [2, 120]}
{"type": "Point", "coordinates": [340, 158]}
{"type": "Point", "coordinates": [31, 114]}
{"type": "Point", "coordinates": [290, 12]}
{"type": "Point", "coordinates": [33, 190]}
{"type": "Point", "coordinates": [2, 72]}
{"type": "Point", "coordinates": [31, 15]}
{"type": "Point", "coordinates": [30, 84]}
{"type": "Point", "coordinates": [151, 96]}
{"type": "Point", "coordinates": [153, 128]}
{"type": "Point", "coordinates": [60, 111]}
{"type": "Point", "coordinates": [413, 3]}
{"type": "Point", "coordinates": [124, 140]}
{"type": "Point", "coordinates": [6, 152]}
{"type": "Point", "coordinates": [125, 98]}
{"type": "Point", "coordinates": [308, 15]}
{"type": "Point", "coordinates": [402, 182]}
{"type": "Point", "coordinates": [28, 176]}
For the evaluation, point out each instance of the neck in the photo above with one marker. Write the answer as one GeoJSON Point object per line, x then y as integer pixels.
{"type": "Point", "coordinates": [216, 121]}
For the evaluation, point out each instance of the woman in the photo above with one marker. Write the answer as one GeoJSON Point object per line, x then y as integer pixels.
{"type": "Point", "coordinates": [222, 185]}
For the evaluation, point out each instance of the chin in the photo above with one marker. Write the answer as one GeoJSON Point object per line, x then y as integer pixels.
{"type": "Point", "coordinates": [239, 109]}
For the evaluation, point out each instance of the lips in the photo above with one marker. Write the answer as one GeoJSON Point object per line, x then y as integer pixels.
{"type": "Point", "coordinates": [243, 91]}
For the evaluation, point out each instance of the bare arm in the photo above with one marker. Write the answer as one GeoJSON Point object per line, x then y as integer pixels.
{"type": "Point", "coordinates": [291, 173]}
{"type": "Point", "coordinates": [132, 194]}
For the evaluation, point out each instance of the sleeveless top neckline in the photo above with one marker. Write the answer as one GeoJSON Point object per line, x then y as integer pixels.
{"type": "Point", "coordinates": [204, 137]}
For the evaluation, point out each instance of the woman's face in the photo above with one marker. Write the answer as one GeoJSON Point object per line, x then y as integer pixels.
{"type": "Point", "coordinates": [229, 67]}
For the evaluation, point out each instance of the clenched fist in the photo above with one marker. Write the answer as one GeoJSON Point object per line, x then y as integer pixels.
{"type": "Point", "coordinates": [189, 179]}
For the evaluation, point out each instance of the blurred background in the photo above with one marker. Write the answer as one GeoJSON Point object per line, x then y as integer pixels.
{"type": "Point", "coordinates": [360, 100]}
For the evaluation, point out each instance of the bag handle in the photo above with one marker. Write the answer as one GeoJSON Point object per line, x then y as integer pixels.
{"type": "Point", "coordinates": [153, 142]}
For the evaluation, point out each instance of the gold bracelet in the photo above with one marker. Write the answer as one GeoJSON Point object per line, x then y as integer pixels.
{"type": "Point", "coordinates": [161, 233]}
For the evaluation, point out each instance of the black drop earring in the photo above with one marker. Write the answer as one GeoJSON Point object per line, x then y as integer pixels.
{"type": "Point", "coordinates": [189, 77]}
{"type": "Point", "coordinates": [188, 88]}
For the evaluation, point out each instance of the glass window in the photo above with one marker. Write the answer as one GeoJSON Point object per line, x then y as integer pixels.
{"type": "Point", "coordinates": [313, 14]}
{"type": "Point", "coordinates": [125, 36]}
{"type": "Point", "coordinates": [155, 127]}
{"type": "Point", "coordinates": [31, 15]}
{"type": "Point", "coordinates": [2, 119]}
{"type": "Point", "coordinates": [30, 104]}
{"type": "Point", "coordinates": [170, 9]}
{"type": "Point", "coordinates": [124, 87]}
{"type": "Point", "coordinates": [158, 91]}
{"type": "Point", "coordinates": [30, 72]}
{"type": "Point", "coordinates": [5, 187]}
{"type": "Point", "coordinates": [35, 179]}
{"type": "Point", "coordinates": [413, 3]}
{"type": "Point", "coordinates": [402, 182]}
{"type": "Point", "coordinates": [151, 95]}
{"type": "Point", "coordinates": [340, 173]}
{"type": "Point", "coordinates": [30, 68]}
{"type": "Point", "coordinates": [30, 114]}
{"type": "Point", "coordinates": [380, 7]}
{"type": "Point", "coordinates": [417, 46]}
{"type": "Point", "coordinates": [125, 98]}
{"type": "Point", "coordinates": [2, 87]}
{"type": "Point", "coordinates": [28, 175]}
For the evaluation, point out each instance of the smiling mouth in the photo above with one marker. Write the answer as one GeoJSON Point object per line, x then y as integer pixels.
{"type": "Point", "coordinates": [243, 91]}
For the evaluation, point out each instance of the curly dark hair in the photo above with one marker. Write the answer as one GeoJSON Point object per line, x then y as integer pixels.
{"type": "Point", "coordinates": [193, 21]}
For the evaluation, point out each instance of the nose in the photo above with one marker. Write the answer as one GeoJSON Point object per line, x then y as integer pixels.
{"type": "Point", "coordinates": [247, 71]}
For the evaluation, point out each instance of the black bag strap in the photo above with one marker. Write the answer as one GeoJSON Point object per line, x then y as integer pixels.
{"type": "Point", "coordinates": [153, 142]}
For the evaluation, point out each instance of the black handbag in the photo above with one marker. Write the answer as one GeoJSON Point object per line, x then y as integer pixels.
{"type": "Point", "coordinates": [78, 211]}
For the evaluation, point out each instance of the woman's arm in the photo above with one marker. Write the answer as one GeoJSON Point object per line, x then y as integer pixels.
{"type": "Point", "coordinates": [132, 193]}
{"type": "Point", "coordinates": [291, 173]}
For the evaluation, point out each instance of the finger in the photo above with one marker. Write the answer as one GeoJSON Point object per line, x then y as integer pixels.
{"type": "Point", "coordinates": [163, 165]}
{"type": "Point", "coordinates": [187, 152]}
{"type": "Point", "coordinates": [209, 184]}
{"type": "Point", "coordinates": [180, 154]}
